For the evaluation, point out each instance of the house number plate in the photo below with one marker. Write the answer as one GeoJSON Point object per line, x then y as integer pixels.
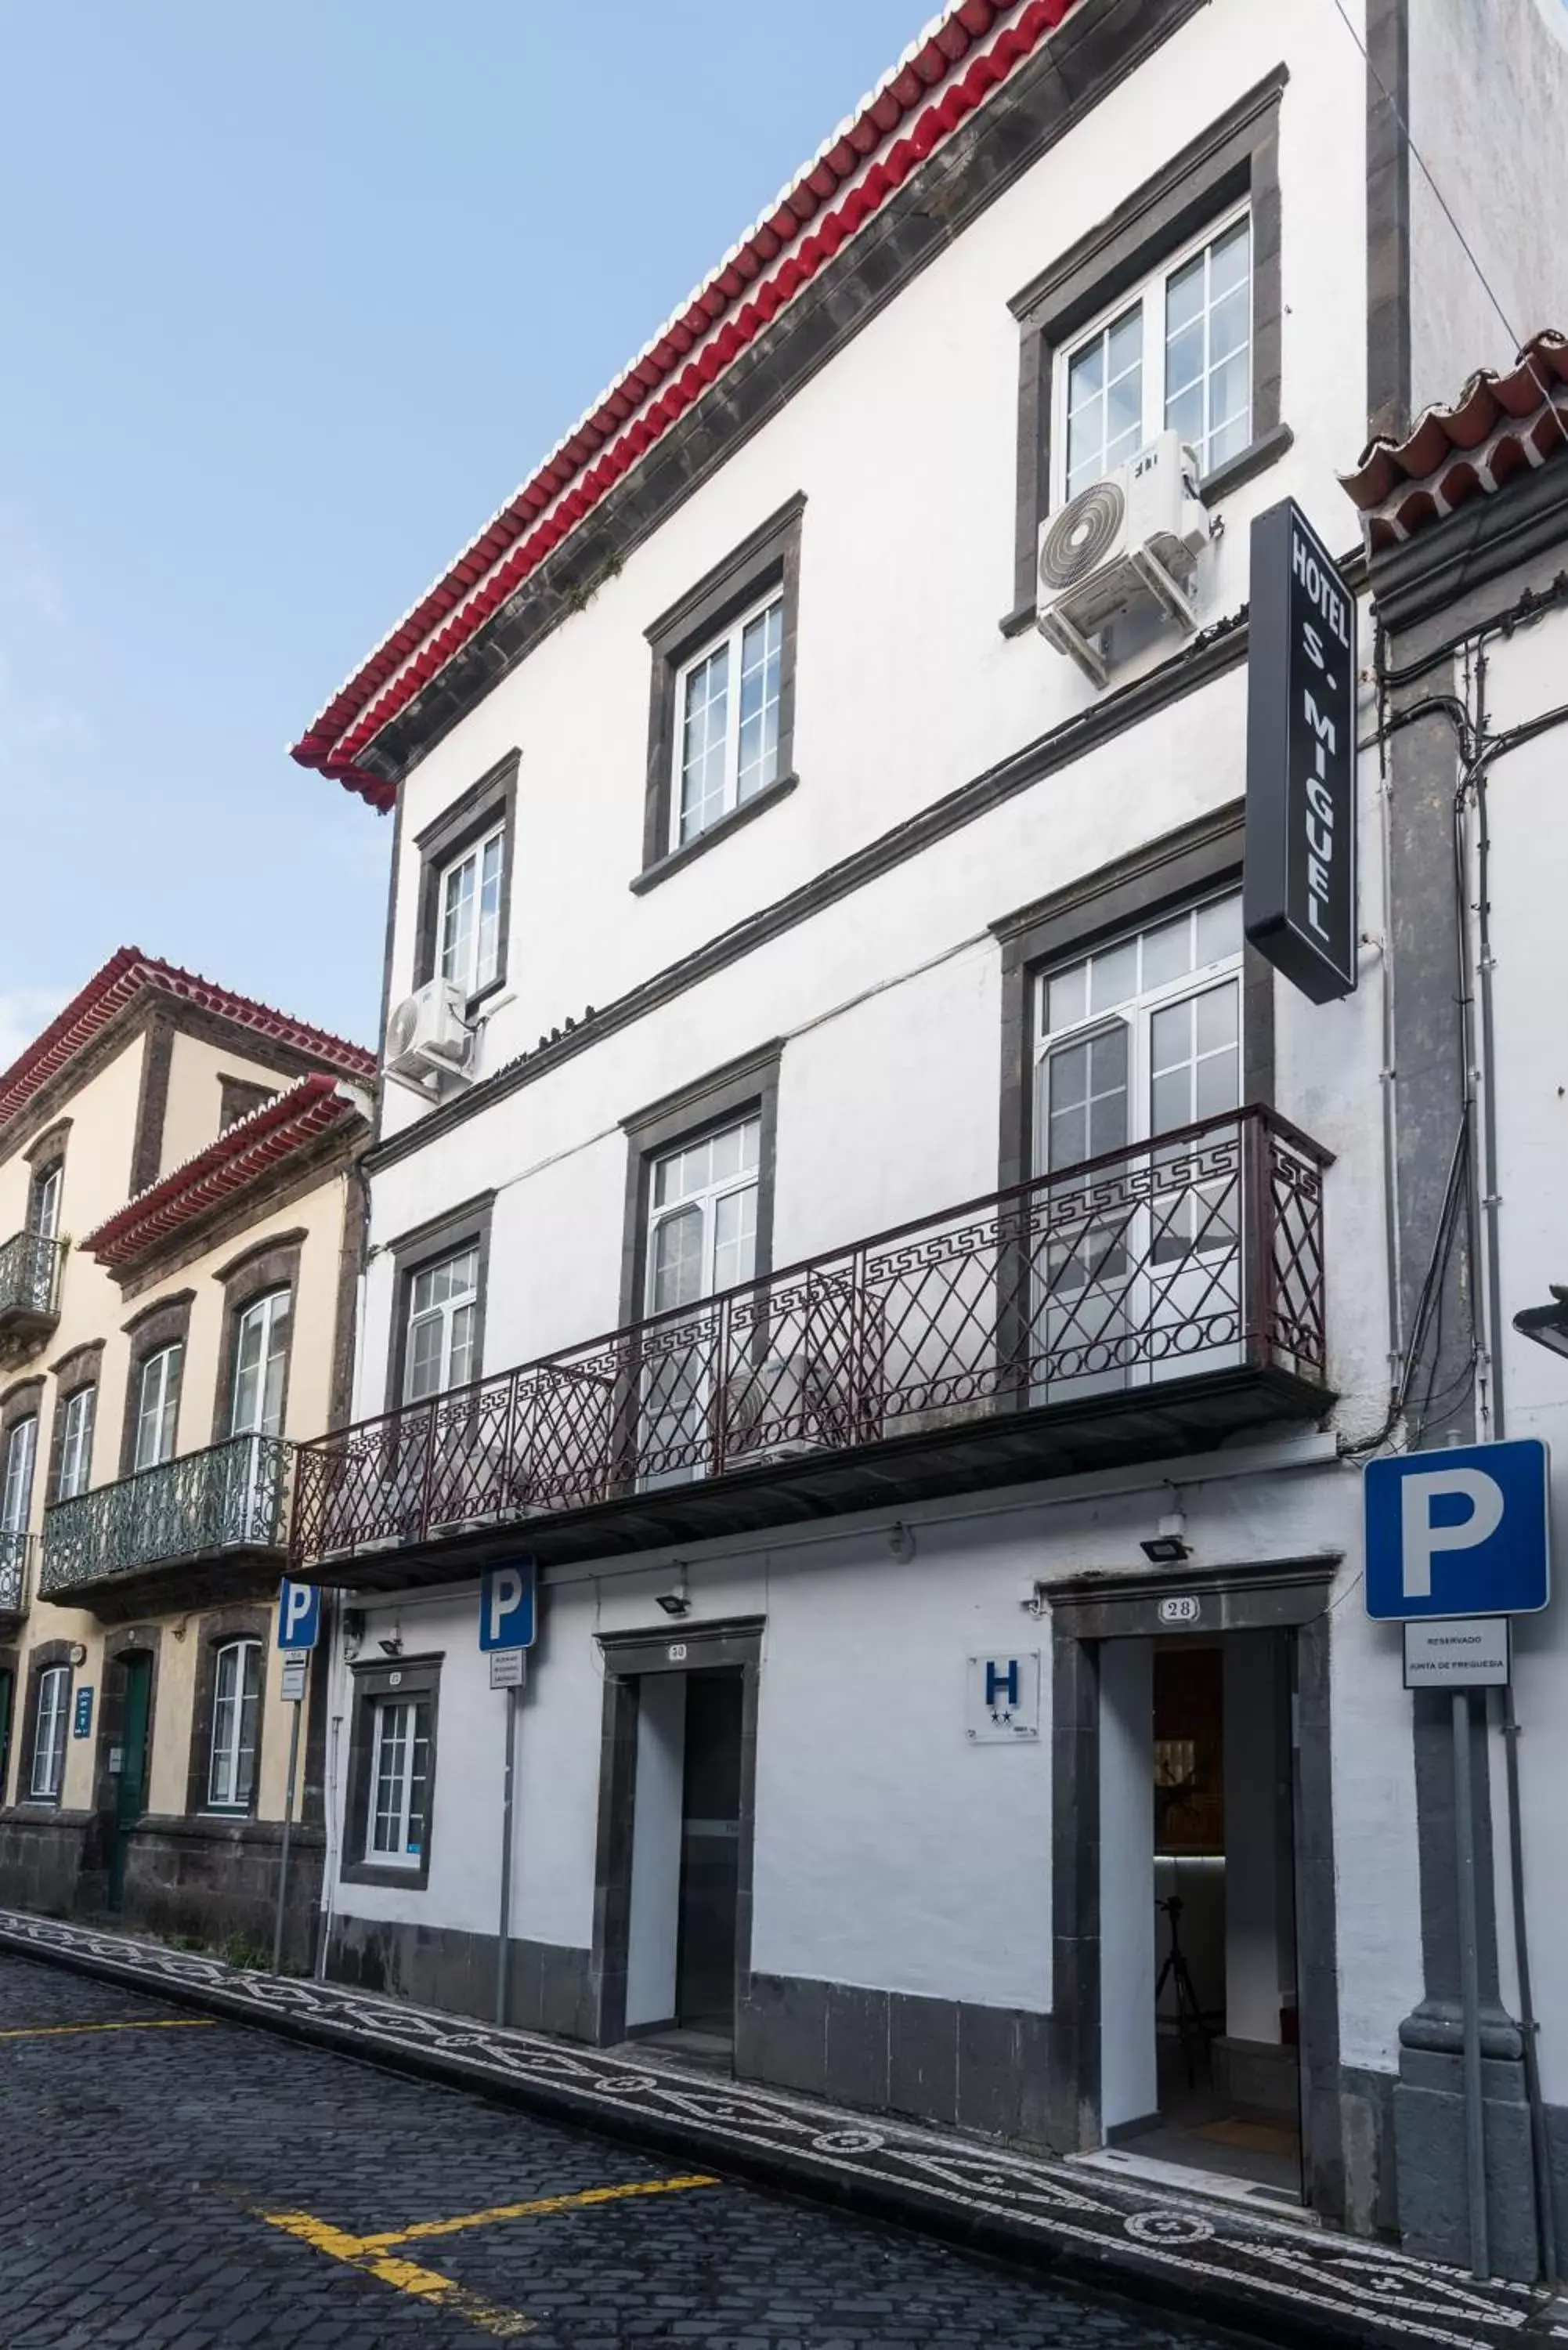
{"type": "Point", "coordinates": [1183, 1609]}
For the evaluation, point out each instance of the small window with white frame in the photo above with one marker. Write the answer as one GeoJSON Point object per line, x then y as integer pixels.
{"type": "Point", "coordinates": [158, 1407]}
{"type": "Point", "coordinates": [399, 1785]}
{"type": "Point", "coordinates": [443, 1320]}
{"type": "Point", "coordinates": [728, 698]}
{"type": "Point", "coordinates": [1176, 355]}
{"type": "Point", "coordinates": [236, 1712]}
{"type": "Point", "coordinates": [76, 1425]}
{"type": "Point", "coordinates": [48, 1763]}
{"type": "Point", "coordinates": [468, 946]}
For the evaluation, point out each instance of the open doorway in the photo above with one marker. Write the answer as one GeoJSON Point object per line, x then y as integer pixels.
{"type": "Point", "coordinates": [1200, 2059]}
{"type": "Point", "coordinates": [686, 1850]}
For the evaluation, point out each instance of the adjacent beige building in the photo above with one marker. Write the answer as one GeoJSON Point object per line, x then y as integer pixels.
{"type": "Point", "coordinates": [180, 1219]}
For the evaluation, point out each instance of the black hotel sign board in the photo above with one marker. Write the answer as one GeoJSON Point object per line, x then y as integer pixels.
{"type": "Point", "coordinates": [1300, 890]}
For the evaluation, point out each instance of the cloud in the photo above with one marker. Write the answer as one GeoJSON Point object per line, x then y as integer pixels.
{"type": "Point", "coordinates": [23, 1011]}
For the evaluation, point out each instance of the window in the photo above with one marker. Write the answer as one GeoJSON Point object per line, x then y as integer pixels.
{"type": "Point", "coordinates": [49, 1735]}
{"type": "Point", "coordinates": [239, 1097]}
{"type": "Point", "coordinates": [237, 1705]}
{"type": "Point", "coordinates": [727, 747]}
{"type": "Point", "coordinates": [1176, 357]}
{"type": "Point", "coordinates": [721, 729]}
{"type": "Point", "coordinates": [17, 1490]}
{"type": "Point", "coordinates": [158, 1407]}
{"type": "Point", "coordinates": [703, 1218]}
{"type": "Point", "coordinates": [75, 1443]}
{"type": "Point", "coordinates": [44, 1207]}
{"type": "Point", "coordinates": [399, 1782]}
{"type": "Point", "coordinates": [469, 945]}
{"type": "Point", "coordinates": [444, 1304]}
{"type": "Point", "coordinates": [1141, 1038]}
{"type": "Point", "coordinates": [261, 1359]}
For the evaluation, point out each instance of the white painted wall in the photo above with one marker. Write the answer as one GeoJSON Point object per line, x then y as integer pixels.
{"type": "Point", "coordinates": [1129, 2086]}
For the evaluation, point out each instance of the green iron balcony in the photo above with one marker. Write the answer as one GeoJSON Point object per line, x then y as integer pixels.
{"type": "Point", "coordinates": [15, 1560]}
{"type": "Point", "coordinates": [30, 1288]}
{"type": "Point", "coordinates": [207, 1527]}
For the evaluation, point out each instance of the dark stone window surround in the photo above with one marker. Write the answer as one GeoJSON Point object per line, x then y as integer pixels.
{"type": "Point", "coordinates": [212, 1633]}
{"type": "Point", "coordinates": [467, 1226]}
{"type": "Point", "coordinates": [417, 1677]}
{"type": "Point", "coordinates": [490, 800]}
{"type": "Point", "coordinates": [82, 1368]}
{"type": "Point", "coordinates": [1193, 861]}
{"type": "Point", "coordinates": [255, 1273]}
{"type": "Point", "coordinates": [627, 1655]}
{"type": "Point", "coordinates": [721, 1099]}
{"type": "Point", "coordinates": [46, 1653]}
{"type": "Point", "coordinates": [1387, 218]}
{"type": "Point", "coordinates": [768, 557]}
{"type": "Point", "coordinates": [1236, 157]}
{"type": "Point", "coordinates": [165, 1323]}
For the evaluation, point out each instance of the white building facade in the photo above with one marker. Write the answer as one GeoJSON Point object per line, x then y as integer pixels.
{"type": "Point", "coordinates": [854, 1188]}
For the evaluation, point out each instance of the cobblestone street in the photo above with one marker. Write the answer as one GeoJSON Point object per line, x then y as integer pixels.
{"type": "Point", "coordinates": [187, 2184]}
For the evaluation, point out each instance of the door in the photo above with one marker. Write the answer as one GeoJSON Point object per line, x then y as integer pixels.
{"type": "Point", "coordinates": [702, 1238]}
{"type": "Point", "coordinates": [709, 1854]}
{"type": "Point", "coordinates": [129, 1798]}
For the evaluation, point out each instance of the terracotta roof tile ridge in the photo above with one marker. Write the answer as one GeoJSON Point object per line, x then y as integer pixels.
{"type": "Point", "coordinates": [1500, 424]}
{"type": "Point", "coordinates": [118, 982]}
{"type": "Point", "coordinates": [963, 55]}
{"type": "Point", "coordinates": [248, 1147]}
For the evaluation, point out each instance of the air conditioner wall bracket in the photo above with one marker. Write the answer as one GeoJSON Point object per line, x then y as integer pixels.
{"type": "Point", "coordinates": [1164, 588]}
{"type": "Point", "coordinates": [1058, 630]}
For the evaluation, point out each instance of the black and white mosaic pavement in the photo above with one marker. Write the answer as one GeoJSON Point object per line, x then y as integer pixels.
{"type": "Point", "coordinates": [1281, 2280]}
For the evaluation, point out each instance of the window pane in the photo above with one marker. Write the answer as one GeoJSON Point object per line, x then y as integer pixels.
{"type": "Point", "coordinates": [1167, 953]}
{"type": "Point", "coordinates": [703, 734]}
{"type": "Point", "coordinates": [1170, 1038]}
{"type": "Point", "coordinates": [1219, 930]}
{"type": "Point", "coordinates": [1066, 998]}
{"type": "Point", "coordinates": [761, 649]}
{"type": "Point", "coordinates": [457, 921]}
{"type": "Point", "coordinates": [424, 1358]}
{"type": "Point", "coordinates": [487, 954]}
{"type": "Point", "coordinates": [1230, 257]}
{"type": "Point", "coordinates": [735, 1238]}
{"type": "Point", "coordinates": [1107, 1091]}
{"type": "Point", "coordinates": [459, 1363]}
{"type": "Point", "coordinates": [1208, 338]}
{"type": "Point", "coordinates": [1216, 1017]}
{"type": "Point", "coordinates": [1218, 1083]}
{"type": "Point", "coordinates": [1112, 977]}
{"type": "Point", "coordinates": [418, 1779]}
{"type": "Point", "coordinates": [16, 1499]}
{"type": "Point", "coordinates": [676, 1261]}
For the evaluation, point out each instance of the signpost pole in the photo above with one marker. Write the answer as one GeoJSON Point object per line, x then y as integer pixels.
{"type": "Point", "coordinates": [1470, 1985]}
{"type": "Point", "coordinates": [287, 1827]}
{"type": "Point", "coordinates": [503, 1942]}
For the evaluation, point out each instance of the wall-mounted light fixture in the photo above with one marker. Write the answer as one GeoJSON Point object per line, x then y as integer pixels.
{"type": "Point", "coordinates": [1169, 1545]}
{"type": "Point", "coordinates": [676, 1600]}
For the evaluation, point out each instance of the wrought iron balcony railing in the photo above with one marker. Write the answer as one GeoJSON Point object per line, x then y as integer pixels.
{"type": "Point", "coordinates": [1194, 1252]}
{"type": "Point", "coordinates": [30, 1279]}
{"type": "Point", "coordinates": [15, 1562]}
{"type": "Point", "coordinates": [231, 1497]}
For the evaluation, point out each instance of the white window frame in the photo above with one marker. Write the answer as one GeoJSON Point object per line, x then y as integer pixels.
{"type": "Point", "coordinates": [46, 1765]}
{"type": "Point", "coordinates": [16, 1488]}
{"type": "Point", "coordinates": [45, 1219]}
{"type": "Point", "coordinates": [707, 1200]}
{"type": "Point", "coordinates": [446, 1310]}
{"type": "Point", "coordinates": [275, 1308]}
{"type": "Point", "coordinates": [734, 638]}
{"type": "Point", "coordinates": [1150, 298]}
{"type": "Point", "coordinates": [480, 965]}
{"type": "Point", "coordinates": [398, 1854]}
{"type": "Point", "coordinates": [227, 1742]}
{"type": "Point", "coordinates": [76, 1442]}
{"type": "Point", "coordinates": [169, 1363]}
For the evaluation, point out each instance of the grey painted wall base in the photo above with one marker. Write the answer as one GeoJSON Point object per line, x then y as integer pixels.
{"type": "Point", "coordinates": [41, 1856]}
{"type": "Point", "coordinates": [938, 2060]}
{"type": "Point", "coordinates": [1430, 2142]}
{"type": "Point", "coordinates": [548, 1986]}
{"type": "Point", "coordinates": [1371, 2180]}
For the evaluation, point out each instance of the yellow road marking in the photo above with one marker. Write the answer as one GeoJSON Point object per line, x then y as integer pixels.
{"type": "Point", "coordinates": [424, 2284]}
{"type": "Point", "coordinates": [370, 2254]}
{"type": "Point", "coordinates": [135, 2023]}
{"type": "Point", "coordinates": [537, 2210]}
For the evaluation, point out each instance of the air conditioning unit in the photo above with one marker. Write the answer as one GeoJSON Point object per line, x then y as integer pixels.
{"type": "Point", "coordinates": [1133, 538]}
{"type": "Point", "coordinates": [428, 1039]}
{"type": "Point", "coordinates": [790, 1405]}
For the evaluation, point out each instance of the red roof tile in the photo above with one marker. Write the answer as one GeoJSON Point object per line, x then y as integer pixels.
{"type": "Point", "coordinates": [963, 57]}
{"type": "Point", "coordinates": [245, 1152]}
{"type": "Point", "coordinates": [1499, 425]}
{"type": "Point", "coordinates": [126, 974]}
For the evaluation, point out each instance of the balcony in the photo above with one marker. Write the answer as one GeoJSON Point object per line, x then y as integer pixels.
{"type": "Point", "coordinates": [1145, 1303]}
{"type": "Point", "coordinates": [15, 1574]}
{"type": "Point", "coordinates": [29, 1290]}
{"type": "Point", "coordinates": [205, 1528]}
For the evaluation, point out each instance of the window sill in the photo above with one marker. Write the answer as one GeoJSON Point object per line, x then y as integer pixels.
{"type": "Point", "coordinates": [364, 1872]}
{"type": "Point", "coordinates": [1255, 459]}
{"type": "Point", "coordinates": [662, 866]}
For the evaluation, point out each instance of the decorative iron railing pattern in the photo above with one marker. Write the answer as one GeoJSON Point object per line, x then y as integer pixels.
{"type": "Point", "coordinates": [233, 1496]}
{"type": "Point", "coordinates": [15, 1559]}
{"type": "Point", "coordinates": [30, 1274]}
{"type": "Point", "coordinates": [1196, 1251]}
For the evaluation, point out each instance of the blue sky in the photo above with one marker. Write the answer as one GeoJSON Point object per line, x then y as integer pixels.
{"type": "Point", "coordinates": [296, 293]}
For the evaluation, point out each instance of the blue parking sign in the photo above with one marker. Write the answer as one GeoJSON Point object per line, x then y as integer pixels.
{"type": "Point", "coordinates": [1461, 1532]}
{"type": "Point", "coordinates": [298, 1616]}
{"type": "Point", "coordinates": [506, 1604]}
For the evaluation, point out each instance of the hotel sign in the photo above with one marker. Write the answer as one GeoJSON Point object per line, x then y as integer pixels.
{"type": "Point", "coordinates": [1299, 896]}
